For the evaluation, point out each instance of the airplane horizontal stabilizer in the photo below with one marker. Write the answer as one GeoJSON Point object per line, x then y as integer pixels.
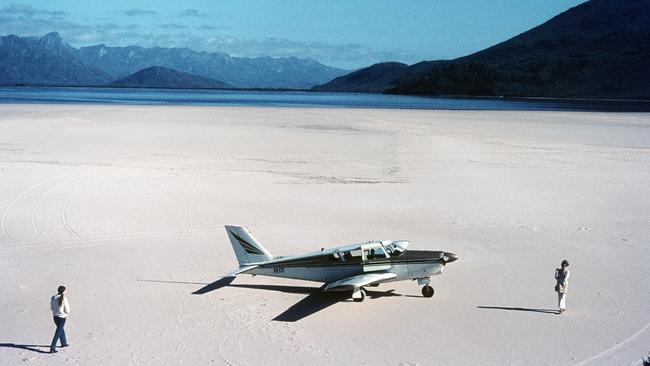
{"type": "Point", "coordinates": [240, 271]}
{"type": "Point", "coordinates": [358, 281]}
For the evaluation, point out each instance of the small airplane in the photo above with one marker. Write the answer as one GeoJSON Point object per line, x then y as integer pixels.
{"type": "Point", "coordinates": [345, 268]}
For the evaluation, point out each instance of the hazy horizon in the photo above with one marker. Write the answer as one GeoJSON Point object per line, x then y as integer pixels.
{"type": "Point", "coordinates": [336, 33]}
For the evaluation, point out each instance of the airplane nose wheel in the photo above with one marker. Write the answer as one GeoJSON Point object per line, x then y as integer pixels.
{"type": "Point", "coordinates": [427, 291]}
{"type": "Point", "coordinates": [359, 296]}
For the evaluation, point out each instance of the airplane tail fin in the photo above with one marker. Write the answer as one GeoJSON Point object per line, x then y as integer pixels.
{"type": "Point", "coordinates": [247, 249]}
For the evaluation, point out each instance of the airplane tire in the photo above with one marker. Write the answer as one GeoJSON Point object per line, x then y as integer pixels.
{"type": "Point", "coordinates": [362, 292]}
{"type": "Point", "coordinates": [427, 291]}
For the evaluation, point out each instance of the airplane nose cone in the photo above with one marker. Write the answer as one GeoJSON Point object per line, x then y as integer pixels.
{"type": "Point", "coordinates": [449, 257]}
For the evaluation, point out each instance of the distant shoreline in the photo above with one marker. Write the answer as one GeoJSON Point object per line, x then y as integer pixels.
{"type": "Point", "coordinates": [303, 99]}
{"type": "Point", "coordinates": [162, 88]}
{"type": "Point", "coordinates": [335, 92]}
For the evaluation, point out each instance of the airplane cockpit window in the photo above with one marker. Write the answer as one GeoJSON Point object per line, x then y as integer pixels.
{"type": "Point", "coordinates": [375, 253]}
{"type": "Point", "coordinates": [394, 250]}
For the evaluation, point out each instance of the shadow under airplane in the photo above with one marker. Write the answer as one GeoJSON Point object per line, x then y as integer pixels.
{"type": "Point", "coordinates": [315, 301]}
{"type": "Point", "coordinates": [220, 283]}
{"type": "Point", "coordinates": [28, 347]}
{"type": "Point", "coordinates": [545, 311]}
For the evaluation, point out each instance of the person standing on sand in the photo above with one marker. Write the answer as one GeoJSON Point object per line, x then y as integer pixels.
{"type": "Point", "coordinates": [60, 309]}
{"type": "Point", "coordinates": [562, 278]}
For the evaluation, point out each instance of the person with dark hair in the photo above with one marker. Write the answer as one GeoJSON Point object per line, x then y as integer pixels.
{"type": "Point", "coordinates": [60, 309]}
{"type": "Point", "coordinates": [562, 284]}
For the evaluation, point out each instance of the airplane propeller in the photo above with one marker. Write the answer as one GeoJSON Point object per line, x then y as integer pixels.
{"type": "Point", "coordinates": [449, 257]}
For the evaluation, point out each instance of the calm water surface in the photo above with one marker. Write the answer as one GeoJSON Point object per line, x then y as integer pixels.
{"type": "Point", "coordinates": [299, 99]}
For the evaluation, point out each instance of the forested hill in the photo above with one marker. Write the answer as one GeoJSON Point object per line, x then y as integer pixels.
{"type": "Point", "coordinates": [599, 49]}
{"type": "Point", "coordinates": [162, 77]}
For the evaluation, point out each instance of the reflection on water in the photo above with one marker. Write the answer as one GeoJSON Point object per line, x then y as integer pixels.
{"type": "Point", "coordinates": [299, 99]}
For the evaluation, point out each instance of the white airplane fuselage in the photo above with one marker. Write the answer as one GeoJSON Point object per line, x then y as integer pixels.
{"type": "Point", "coordinates": [345, 268]}
{"type": "Point", "coordinates": [320, 271]}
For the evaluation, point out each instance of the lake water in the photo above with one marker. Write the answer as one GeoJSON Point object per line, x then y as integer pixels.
{"type": "Point", "coordinates": [299, 99]}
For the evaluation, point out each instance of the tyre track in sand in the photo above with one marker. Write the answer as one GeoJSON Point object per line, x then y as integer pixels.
{"type": "Point", "coordinates": [107, 240]}
{"type": "Point", "coordinates": [618, 314]}
{"type": "Point", "coordinates": [42, 199]}
{"type": "Point", "coordinates": [614, 347]}
{"type": "Point", "coordinates": [64, 209]}
{"type": "Point", "coordinates": [5, 214]}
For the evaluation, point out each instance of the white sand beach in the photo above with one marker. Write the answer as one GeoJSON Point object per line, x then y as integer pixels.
{"type": "Point", "coordinates": [125, 205]}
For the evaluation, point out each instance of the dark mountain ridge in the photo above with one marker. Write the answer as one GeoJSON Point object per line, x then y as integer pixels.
{"type": "Point", "coordinates": [599, 49]}
{"type": "Point", "coordinates": [372, 79]}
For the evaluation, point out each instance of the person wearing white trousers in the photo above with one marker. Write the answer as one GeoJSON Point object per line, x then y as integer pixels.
{"type": "Point", "coordinates": [562, 285]}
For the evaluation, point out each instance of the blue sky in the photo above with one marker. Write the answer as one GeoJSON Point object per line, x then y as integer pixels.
{"type": "Point", "coordinates": [347, 34]}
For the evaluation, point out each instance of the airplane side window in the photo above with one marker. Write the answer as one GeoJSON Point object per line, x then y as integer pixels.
{"type": "Point", "coordinates": [355, 255]}
{"type": "Point", "coordinates": [334, 257]}
{"type": "Point", "coordinates": [347, 256]}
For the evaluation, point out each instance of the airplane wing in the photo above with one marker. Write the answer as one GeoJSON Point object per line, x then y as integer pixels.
{"type": "Point", "coordinates": [358, 281]}
{"type": "Point", "coordinates": [240, 270]}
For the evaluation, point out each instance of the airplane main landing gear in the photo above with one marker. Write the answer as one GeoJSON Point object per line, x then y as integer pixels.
{"type": "Point", "coordinates": [427, 291]}
{"type": "Point", "coordinates": [358, 295]}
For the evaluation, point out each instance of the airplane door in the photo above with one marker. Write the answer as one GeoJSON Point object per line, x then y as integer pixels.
{"type": "Point", "coordinates": [375, 259]}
